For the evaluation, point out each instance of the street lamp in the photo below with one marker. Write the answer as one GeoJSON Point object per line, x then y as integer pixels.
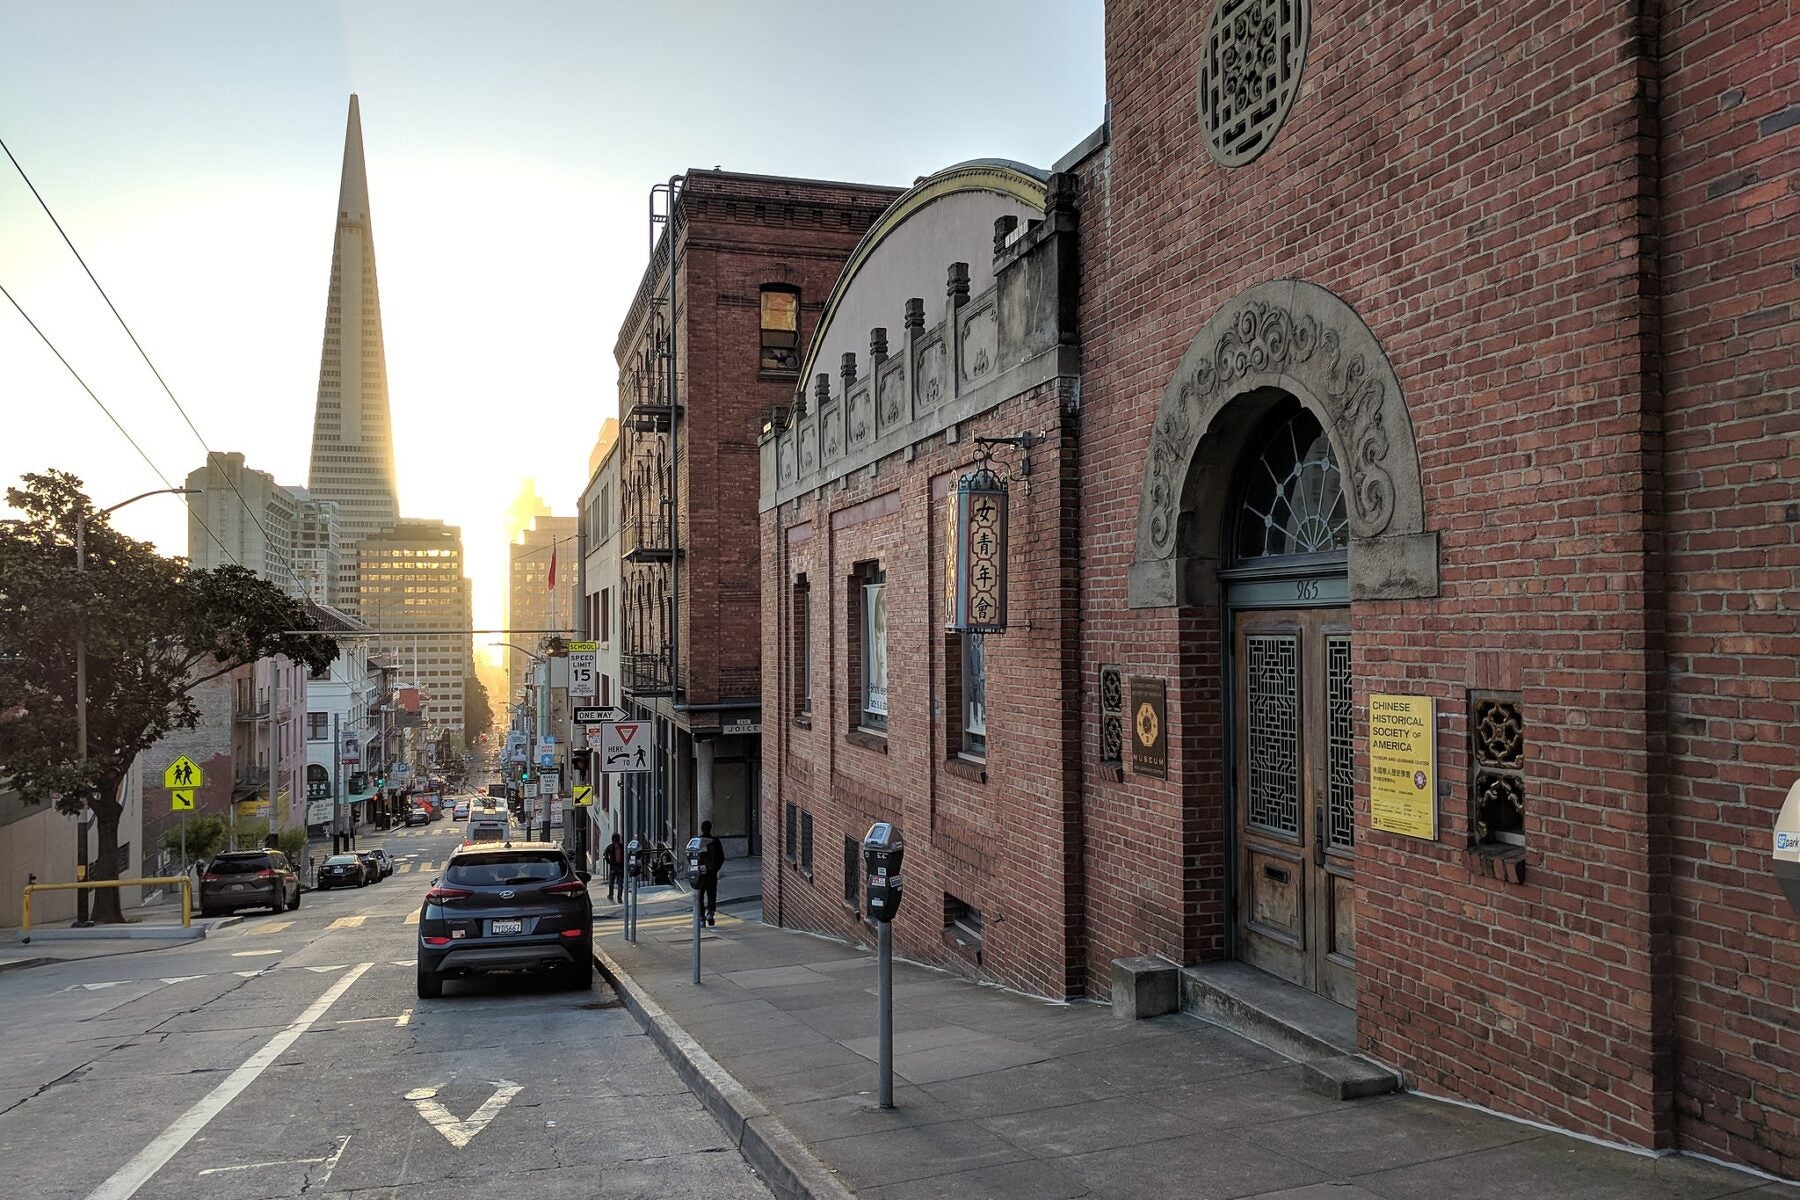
{"type": "Point", "coordinates": [87, 810]}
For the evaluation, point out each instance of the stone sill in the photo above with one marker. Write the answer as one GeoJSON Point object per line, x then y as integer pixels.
{"type": "Point", "coordinates": [803, 722]}
{"type": "Point", "coordinates": [868, 741]}
{"type": "Point", "coordinates": [1112, 772]}
{"type": "Point", "coordinates": [974, 770]}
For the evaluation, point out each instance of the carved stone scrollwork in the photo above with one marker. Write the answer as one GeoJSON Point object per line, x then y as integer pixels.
{"type": "Point", "coordinates": [934, 360]}
{"type": "Point", "coordinates": [980, 342]}
{"type": "Point", "coordinates": [1303, 340]}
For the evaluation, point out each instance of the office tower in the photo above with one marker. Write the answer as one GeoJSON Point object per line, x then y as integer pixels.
{"type": "Point", "coordinates": [411, 587]}
{"type": "Point", "coordinates": [239, 515]}
{"type": "Point", "coordinates": [528, 594]}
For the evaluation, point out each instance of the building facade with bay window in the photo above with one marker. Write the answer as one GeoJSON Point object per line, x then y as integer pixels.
{"type": "Point", "coordinates": [1401, 491]}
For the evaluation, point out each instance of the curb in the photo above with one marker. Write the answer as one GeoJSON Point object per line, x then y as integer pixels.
{"type": "Point", "coordinates": [787, 1166]}
{"type": "Point", "coordinates": [20, 964]}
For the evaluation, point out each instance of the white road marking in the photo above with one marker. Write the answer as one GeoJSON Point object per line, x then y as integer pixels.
{"type": "Point", "coordinates": [181, 978]}
{"type": "Point", "coordinates": [95, 987]}
{"type": "Point", "coordinates": [404, 1017]}
{"type": "Point", "coordinates": [460, 1133]}
{"type": "Point", "coordinates": [126, 1181]}
{"type": "Point", "coordinates": [333, 967]}
{"type": "Point", "coordinates": [254, 953]}
{"type": "Point", "coordinates": [331, 1158]}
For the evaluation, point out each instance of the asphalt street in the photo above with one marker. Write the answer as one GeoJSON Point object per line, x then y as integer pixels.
{"type": "Point", "coordinates": [288, 1055]}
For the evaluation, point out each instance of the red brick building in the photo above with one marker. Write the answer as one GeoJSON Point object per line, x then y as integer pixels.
{"type": "Point", "coordinates": [755, 257]}
{"type": "Point", "coordinates": [1442, 355]}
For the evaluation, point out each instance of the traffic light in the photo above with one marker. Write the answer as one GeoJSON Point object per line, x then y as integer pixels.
{"type": "Point", "coordinates": [381, 783]}
{"type": "Point", "coordinates": [525, 775]}
{"type": "Point", "coordinates": [578, 758]}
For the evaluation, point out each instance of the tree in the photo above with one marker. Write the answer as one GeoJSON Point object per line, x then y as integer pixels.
{"type": "Point", "coordinates": [478, 712]}
{"type": "Point", "coordinates": [155, 628]}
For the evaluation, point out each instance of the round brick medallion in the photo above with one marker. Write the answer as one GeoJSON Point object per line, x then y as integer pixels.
{"type": "Point", "coordinates": [1249, 74]}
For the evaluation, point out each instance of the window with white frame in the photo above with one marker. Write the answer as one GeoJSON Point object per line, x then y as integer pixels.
{"type": "Point", "coordinates": [318, 726]}
{"type": "Point", "coordinates": [874, 649]}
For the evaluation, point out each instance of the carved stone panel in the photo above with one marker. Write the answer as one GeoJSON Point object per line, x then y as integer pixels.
{"type": "Point", "coordinates": [933, 372]}
{"type": "Point", "coordinates": [785, 451]}
{"type": "Point", "coordinates": [832, 425]}
{"type": "Point", "coordinates": [891, 408]}
{"type": "Point", "coordinates": [980, 344]}
{"type": "Point", "coordinates": [1250, 73]}
{"type": "Point", "coordinates": [861, 422]}
{"type": "Point", "coordinates": [809, 453]}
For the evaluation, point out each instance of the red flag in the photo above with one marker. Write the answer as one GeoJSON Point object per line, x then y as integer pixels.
{"type": "Point", "coordinates": [550, 582]}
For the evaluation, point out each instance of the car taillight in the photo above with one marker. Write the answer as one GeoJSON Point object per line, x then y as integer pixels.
{"type": "Point", "coordinates": [265, 874]}
{"type": "Point", "coordinates": [573, 933]}
{"type": "Point", "coordinates": [573, 887]}
{"type": "Point", "coordinates": [437, 941]}
{"type": "Point", "coordinates": [209, 879]}
{"type": "Point", "coordinates": [441, 894]}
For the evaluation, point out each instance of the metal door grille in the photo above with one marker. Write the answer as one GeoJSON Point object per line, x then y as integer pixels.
{"type": "Point", "coordinates": [1340, 736]}
{"type": "Point", "coordinates": [1272, 733]}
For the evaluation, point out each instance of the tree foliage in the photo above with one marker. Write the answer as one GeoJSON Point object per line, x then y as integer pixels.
{"type": "Point", "coordinates": [155, 628]}
{"type": "Point", "coordinates": [478, 711]}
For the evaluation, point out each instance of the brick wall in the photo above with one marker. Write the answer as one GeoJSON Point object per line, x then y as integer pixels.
{"type": "Point", "coordinates": [1466, 178]}
{"type": "Point", "coordinates": [1729, 152]}
{"type": "Point", "coordinates": [997, 835]}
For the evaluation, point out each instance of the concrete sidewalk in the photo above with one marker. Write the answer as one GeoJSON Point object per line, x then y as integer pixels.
{"type": "Point", "coordinates": [998, 1095]}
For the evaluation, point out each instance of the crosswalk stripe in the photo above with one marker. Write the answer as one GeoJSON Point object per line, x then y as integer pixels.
{"type": "Point", "coordinates": [403, 868]}
{"type": "Point", "coordinates": [347, 922]}
{"type": "Point", "coordinates": [412, 918]}
{"type": "Point", "coordinates": [272, 927]}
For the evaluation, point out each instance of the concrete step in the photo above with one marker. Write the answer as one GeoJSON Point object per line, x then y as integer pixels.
{"type": "Point", "coordinates": [1289, 1020]}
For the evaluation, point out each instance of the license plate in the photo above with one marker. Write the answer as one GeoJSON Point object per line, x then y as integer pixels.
{"type": "Point", "coordinates": [238, 887]}
{"type": "Point", "coordinates": [499, 927]}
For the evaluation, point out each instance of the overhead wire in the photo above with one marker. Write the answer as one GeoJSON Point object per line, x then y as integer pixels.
{"type": "Point", "coordinates": [211, 456]}
{"type": "Point", "coordinates": [154, 469]}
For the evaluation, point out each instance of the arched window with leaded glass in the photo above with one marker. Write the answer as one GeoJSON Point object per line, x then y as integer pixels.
{"type": "Point", "coordinates": [1290, 497]}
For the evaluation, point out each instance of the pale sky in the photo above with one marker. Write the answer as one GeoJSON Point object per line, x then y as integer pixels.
{"type": "Point", "coordinates": [192, 152]}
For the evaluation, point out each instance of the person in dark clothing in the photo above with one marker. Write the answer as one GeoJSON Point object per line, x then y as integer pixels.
{"type": "Point", "coordinates": [614, 858]}
{"type": "Point", "coordinates": [712, 858]}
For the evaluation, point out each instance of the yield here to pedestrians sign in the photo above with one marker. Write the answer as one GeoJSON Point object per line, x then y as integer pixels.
{"type": "Point", "coordinates": [624, 747]}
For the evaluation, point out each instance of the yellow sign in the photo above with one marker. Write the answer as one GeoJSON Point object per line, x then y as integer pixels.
{"type": "Point", "coordinates": [1403, 765]}
{"type": "Point", "coordinates": [584, 794]}
{"type": "Point", "coordinates": [184, 772]}
{"type": "Point", "coordinates": [181, 799]}
{"type": "Point", "coordinates": [583, 647]}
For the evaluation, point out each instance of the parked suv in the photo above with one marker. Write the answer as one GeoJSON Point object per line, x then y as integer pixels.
{"type": "Point", "coordinates": [512, 907]}
{"type": "Point", "coordinates": [249, 879]}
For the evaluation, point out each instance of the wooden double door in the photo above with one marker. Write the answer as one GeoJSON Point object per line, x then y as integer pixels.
{"type": "Point", "coordinates": [1295, 818]}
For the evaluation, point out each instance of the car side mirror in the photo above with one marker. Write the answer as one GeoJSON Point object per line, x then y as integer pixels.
{"type": "Point", "coordinates": [585, 876]}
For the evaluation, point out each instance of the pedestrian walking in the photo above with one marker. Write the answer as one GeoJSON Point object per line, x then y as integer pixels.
{"type": "Point", "coordinates": [712, 858]}
{"type": "Point", "coordinates": [614, 857]}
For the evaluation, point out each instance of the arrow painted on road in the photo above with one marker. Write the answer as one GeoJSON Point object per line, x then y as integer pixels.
{"type": "Point", "coordinates": [459, 1133]}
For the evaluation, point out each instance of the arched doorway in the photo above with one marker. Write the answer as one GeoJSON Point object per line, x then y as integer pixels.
{"type": "Point", "coordinates": [1285, 586]}
{"type": "Point", "coordinates": [1281, 486]}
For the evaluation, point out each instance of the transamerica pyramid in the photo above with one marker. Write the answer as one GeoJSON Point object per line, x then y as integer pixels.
{"type": "Point", "coordinates": [353, 441]}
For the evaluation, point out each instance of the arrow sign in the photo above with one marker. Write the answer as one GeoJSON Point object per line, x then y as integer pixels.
{"type": "Point", "coordinates": [584, 795]}
{"type": "Point", "coordinates": [181, 799]}
{"type": "Point", "coordinates": [599, 716]}
{"type": "Point", "coordinates": [184, 772]}
{"type": "Point", "coordinates": [460, 1133]}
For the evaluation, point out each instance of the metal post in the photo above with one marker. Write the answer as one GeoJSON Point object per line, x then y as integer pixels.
{"type": "Point", "coordinates": [697, 923]}
{"type": "Point", "coordinates": [81, 825]}
{"type": "Point", "coordinates": [337, 781]}
{"type": "Point", "coordinates": [884, 1003]}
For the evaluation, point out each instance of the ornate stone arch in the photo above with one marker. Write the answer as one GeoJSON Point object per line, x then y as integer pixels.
{"type": "Point", "coordinates": [1285, 336]}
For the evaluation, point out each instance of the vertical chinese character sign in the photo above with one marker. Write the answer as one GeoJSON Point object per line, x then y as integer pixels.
{"type": "Point", "coordinates": [976, 587]}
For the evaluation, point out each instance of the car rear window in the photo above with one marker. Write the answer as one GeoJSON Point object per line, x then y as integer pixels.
{"type": "Point", "coordinates": [488, 870]}
{"type": "Point", "coordinates": [240, 866]}
{"type": "Point", "coordinates": [340, 860]}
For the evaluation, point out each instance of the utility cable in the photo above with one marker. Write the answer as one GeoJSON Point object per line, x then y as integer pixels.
{"type": "Point", "coordinates": [154, 469]}
{"type": "Point", "coordinates": [211, 456]}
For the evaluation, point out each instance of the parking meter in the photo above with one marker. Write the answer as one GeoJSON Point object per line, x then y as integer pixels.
{"type": "Point", "coordinates": [882, 851]}
{"type": "Point", "coordinates": [1787, 848]}
{"type": "Point", "coordinates": [634, 850]}
{"type": "Point", "coordinates": [696, 854]}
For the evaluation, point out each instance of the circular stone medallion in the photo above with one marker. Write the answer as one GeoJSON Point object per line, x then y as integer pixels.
{"type": "Point", "coordinates": [1249, 74]}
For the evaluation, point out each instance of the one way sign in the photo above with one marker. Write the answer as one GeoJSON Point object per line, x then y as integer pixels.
{"type": "Point", "coordinates": [624, 748]}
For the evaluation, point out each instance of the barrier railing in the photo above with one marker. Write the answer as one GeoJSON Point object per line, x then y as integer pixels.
{"type": "Point", "coordinates": [187, 896]}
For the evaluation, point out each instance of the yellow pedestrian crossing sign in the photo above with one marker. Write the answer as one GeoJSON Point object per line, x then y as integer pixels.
{"type": "Point", "coordinates": [184, 772]}
{"type": "Point", "coordinates": [181, 799]}
{"type": "Point", "coordinates": [584, 794]}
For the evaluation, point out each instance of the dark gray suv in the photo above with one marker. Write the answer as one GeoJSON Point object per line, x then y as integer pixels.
{"type": "Point", "coordinates": [509, 906]}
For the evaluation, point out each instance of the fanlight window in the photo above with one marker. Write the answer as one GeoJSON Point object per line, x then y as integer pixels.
{"type": "Point", "coordinates": [1292, 498]}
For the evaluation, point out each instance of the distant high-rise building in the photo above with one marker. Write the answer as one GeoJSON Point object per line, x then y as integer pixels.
{"type": "Point", "coordinates": [411, 587]}
{"type": "Point", "coordinates": [528, 594]}
{"type": "Point", "coordinates": [353, 442]}
{"type": "Point", "coordinates": [317, 547]}
{"type": "Point", "coordinates": [240, 515]}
